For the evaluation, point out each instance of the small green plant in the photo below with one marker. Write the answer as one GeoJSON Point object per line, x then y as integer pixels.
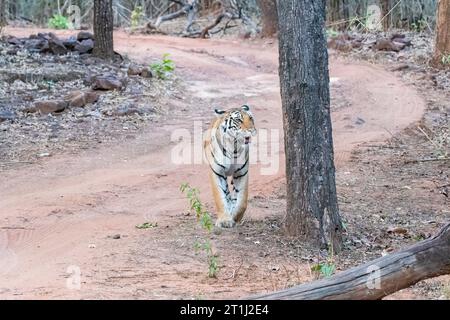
{"type": "Point", "coordinates": [136, 17]}
{"type": "Point", "coordinates": [325, 269]}
{"type": "Point", "coordinates": [147, 225]}
{"type": "Point", "coordinates": [163, 68]}
{"type": "Point", "coordinates": [213, 267]}
{"type": "Point", "coordinates": [59, 22]}
{"type": "Point", "coordinates": [445, 59]}
{"type": "Point", "coordinates": [205, 221]}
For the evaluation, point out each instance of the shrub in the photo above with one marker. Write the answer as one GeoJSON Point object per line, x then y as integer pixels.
{"type": "Point", "coordinates": [59, 22]}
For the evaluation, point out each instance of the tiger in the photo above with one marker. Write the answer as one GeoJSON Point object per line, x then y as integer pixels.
{"type": "Point", "coordinates": [226, 149]}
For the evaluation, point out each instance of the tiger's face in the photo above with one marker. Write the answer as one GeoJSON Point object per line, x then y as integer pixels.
{"type": "Point", "coordinates": [237, 124]}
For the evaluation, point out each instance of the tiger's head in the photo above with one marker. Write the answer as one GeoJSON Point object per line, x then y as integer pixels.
{"type": "Point", "coordinates": [237, 124]}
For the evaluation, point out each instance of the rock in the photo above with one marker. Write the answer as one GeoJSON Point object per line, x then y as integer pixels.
{"type": "Point", "coordinates": [405, 42]}
{"type": "Point", "coordinates": [57, 46]}
{"type": "Point", "coordinates": [84, 35]}
{"type": "Point", "coordinates": [400, 67]}
{"type": "Point", "coordinates": [44, 36]}
{"type": "Point", "coordinates": [107, 83]}
{"type": "Point", "coordinates": [12, 52]}
{"type": "Point", "coordinates": [135, 70]}
{"type": "Point", "coordinates": [386, 45]}
{"type": "Point", "coordinates": [25, 76]}
{"type": "Point", "coordinates": [129, 109]}
{"type": "Point", "coordinates": [15, 41]}
{"type": "Point", "coordinates": [399, 45]}
{"type": "Point", "coordinates": [50, 106]}
{"type": "Point", "coordinates": [79, 99]}
{"type": "Point", "coordinates": [398, 36]}
{"type": "Point", "coordinates": [146, 73]}
{"type": "Point", "coordinates": [85, 46]}
{"type": "Point", "coordinates": [37, 45]}
{"type": "Point", "coordinates": [126, 110]}
{"type": "Point", "coordinates": [7, 115]}
{"type": "Point", "coordinates": [401, 38]}
{"type": "Point", "coordinates": [116, 236]}
{"type": "Point", "coordinates": [70, 43]}
{"type": "Point", "coordinates": [359, 121]}
{"type": "Point", "coordinates": [88, 59]}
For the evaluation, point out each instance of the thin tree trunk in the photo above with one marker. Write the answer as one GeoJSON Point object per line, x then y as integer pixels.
{"type": "Point", "coordinates": [3, 13]}
{"type": "Point", "coordinates": [269, 17]}
{"type": "Point", "coordinates": [381, 277]}
{"type": "Point", "coordinates": [103, 29]}
{"type": "Point", "coordinates": [442, 48]}
{"type": "Point", "coordinates": [385, 8]}
{"type": "Point", "coordinates": [312, 209]}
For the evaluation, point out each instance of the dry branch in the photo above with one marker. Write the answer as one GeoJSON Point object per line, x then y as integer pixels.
{"type": "Point", "coordinates": [380, 277]}
{"type": "Point", "coordinates": [218, 20]}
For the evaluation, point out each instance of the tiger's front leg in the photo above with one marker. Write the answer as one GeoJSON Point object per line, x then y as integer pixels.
{"type": "Point", "coordinates": [222, 199]}
{"type": "Point", "coordinates": [240, 186]}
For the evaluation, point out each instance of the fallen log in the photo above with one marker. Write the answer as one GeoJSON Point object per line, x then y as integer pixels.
{"type": "Point", "coordinates": [380, 277]}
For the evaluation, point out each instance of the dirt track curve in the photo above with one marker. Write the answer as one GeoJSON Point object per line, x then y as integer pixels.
{"type": "Point", "coordinates": [60, 213]}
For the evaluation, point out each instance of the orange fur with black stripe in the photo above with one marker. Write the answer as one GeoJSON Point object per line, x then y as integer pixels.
{"type": "Point", "coordinates": [226, 148]}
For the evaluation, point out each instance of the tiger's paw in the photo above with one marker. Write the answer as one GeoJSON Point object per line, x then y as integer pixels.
{"type": "Point", "coordinates": [225, 223]}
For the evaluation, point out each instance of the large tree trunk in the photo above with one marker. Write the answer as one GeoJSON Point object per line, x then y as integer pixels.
{"type": "Point", "coordinates": [3, 13]}
{"type": "Point", "coordinates": [103, 29]}
{"type": "Point", "coordinates": [380, 277]}
{"type": "Point", "coordinates": [269, 17]}
{"type": "Point", "coordinates": [442, 48]}
{"type": "Point", "coordinates": [312, 209]}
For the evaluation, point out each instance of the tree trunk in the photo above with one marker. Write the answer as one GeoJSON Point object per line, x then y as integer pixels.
{"type": "Point", "coordinates": [269, 17]}
{"type": "Point", "coordinates": [312, 209]}
{"type": "Point", "coordinates": [385, 8]}
{"type": "Point", "coordinates": [380, 277]}
{"type": "Point", "coordinates": [442, 49]}
{"type": "Point", "coordinates": [3, 13]}
{"type": "Point", "coordinates": [103, 29]}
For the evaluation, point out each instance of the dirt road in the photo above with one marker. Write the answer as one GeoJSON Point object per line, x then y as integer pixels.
{"type": "Point", "coordinates": [61, 216]}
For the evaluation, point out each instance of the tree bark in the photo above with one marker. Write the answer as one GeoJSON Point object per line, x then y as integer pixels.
{"type": "Point", "coordinates": [442, 47]}
{"type": "Point", "coordinates": [312, 209]}
{"type": "Point", "coordinates": [385, 8]}
{"type": "Point", "coordinates": [380, 277]}
{"type": "Point", "coordinates": [269, 17]}
{"type": "Point", "coordinates": [103, 29]}
{"type": "Point", "coordinates": [3, 13]}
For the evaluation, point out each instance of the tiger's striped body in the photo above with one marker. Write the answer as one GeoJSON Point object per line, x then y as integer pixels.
{"type": "Point", "coordinates": [226, 149]}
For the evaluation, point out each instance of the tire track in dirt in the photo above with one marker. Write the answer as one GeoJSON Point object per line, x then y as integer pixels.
{"type": "Point", "coordinates": [98, 193]}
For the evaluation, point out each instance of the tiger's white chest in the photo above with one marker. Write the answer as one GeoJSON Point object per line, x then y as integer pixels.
{"type": "Point", "coordinates": [232, 164]}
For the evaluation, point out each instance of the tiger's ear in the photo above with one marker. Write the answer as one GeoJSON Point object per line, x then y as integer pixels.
{"type": "Point", "coordinates": [245, 107]}
{"type": "Point", "coordinates": [218, 112]}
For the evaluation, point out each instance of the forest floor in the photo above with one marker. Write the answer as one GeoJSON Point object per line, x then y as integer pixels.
{"type": "Point", "coordinates": [78, 206]}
